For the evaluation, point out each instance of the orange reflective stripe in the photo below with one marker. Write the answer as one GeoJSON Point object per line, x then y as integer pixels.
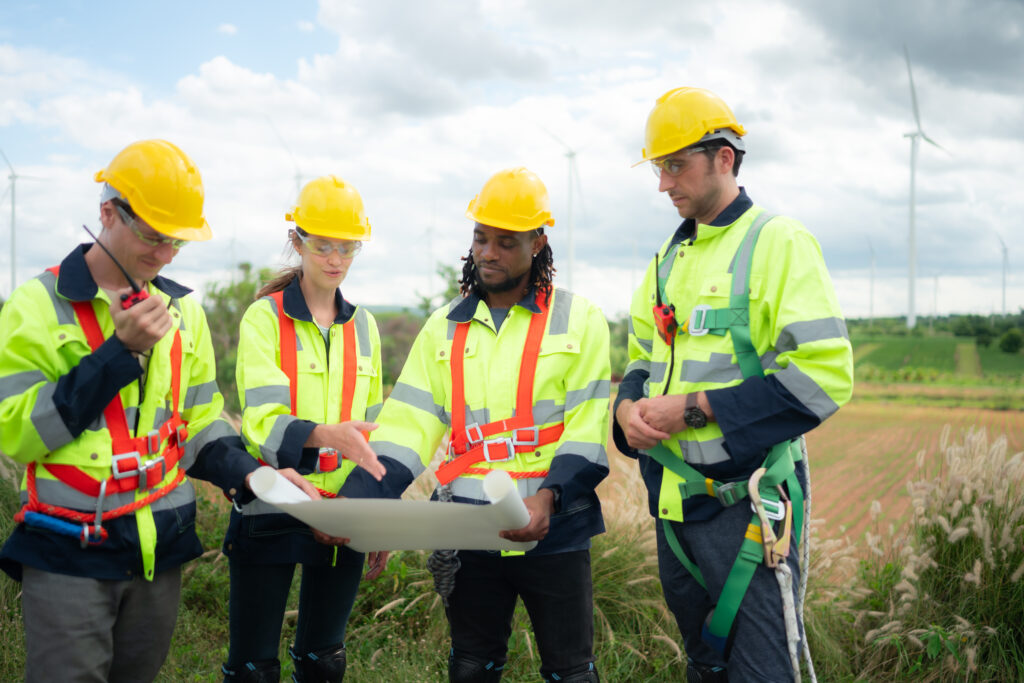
{"type": "Point", "coordinates": [348, 378]}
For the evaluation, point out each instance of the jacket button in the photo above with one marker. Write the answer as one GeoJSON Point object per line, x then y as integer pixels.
{"type": "Point", "coordinates": [61, 336]}
{"type": "Point", "coordinates": [536, 454]}
{"type": "Point", "coordinates": [714, 288]}
{"type": "Point", "coordinates": [664, 511]}
{"type": "Point", "coordinates": [232, 492]}
{"type": "Point", "coordinates": [94, 456]}
{"type": "Point", "coordinates": [442, 354]}
{"type": "Point", "coordinates": [312, 366]}
{"type": "Point", "coordinates": [568, 346]}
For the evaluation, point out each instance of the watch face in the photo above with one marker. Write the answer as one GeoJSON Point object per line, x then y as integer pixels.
{"type": "Point", "coordinates": [695, 417]}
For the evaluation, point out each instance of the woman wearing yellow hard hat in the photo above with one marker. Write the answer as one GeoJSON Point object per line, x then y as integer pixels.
{"type": "Point", "coordinates": [309, 382]}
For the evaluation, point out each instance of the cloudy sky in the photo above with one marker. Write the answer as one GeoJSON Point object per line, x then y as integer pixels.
{"type": "Point", "coordinates": [417, 103]}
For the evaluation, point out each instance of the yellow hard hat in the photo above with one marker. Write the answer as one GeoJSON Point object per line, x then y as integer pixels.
{"type": "Point", "coordinates": [163, 187]}
{"type": "Point", "coordinates": [330, 207]}
{"type": "Point", "coordinates": [685, 116]}
{"type": "Point", "coordinates": [513, 199]}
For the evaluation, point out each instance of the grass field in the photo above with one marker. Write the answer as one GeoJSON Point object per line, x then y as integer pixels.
{"type": "Point", "coordinates": [947, 357]}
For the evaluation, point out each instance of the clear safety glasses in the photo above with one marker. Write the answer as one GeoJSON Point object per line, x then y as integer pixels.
{"type": "Point", "coordinates": [151, 240]}
{"type": "Point", "coordinates": [676, 163]}
{"type": "Point", "coordinates": [323, 247]}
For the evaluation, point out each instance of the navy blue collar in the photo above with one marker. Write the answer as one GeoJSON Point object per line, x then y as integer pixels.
{"type": "Point", "coordinates": [76, 283]}
{"type": "Point", "coordinates": [465, 309]}
{"type": "Point", "coordinates": [688, 228]}
{"type": "Point", "coordinates": [295, 304]}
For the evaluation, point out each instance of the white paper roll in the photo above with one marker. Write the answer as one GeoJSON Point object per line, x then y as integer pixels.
{"type": "Point", "coordinates": [378, 524]}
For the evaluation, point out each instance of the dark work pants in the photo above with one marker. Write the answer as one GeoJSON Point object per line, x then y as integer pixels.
{"type": "Point", "coordinates": [557, 592]}
{"type": "Point", "coordinates": [259, 593]}
{"type": "Point", "coordinates": [759, 651]}
{"type": "Point", "coordinates": [86, 630]}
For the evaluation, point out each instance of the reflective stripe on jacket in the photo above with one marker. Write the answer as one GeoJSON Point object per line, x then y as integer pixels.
{"type": "Point", "coordinates": [796, 328]}
{"type": "Point", "coordinates": [571, 386]}
{"type": "Point", "coordinates": [40, 344]}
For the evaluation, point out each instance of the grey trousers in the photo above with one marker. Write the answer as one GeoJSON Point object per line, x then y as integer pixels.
{"type": "Point", "coordinates": [86, 630]}
{"type": "Point", "coordinates": [759, 651]}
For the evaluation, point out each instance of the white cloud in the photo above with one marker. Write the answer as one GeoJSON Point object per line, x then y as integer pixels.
{"type": "Point", "coordinates": [227, 29]}
{"type": "Point", "coordinates": [419, 104]}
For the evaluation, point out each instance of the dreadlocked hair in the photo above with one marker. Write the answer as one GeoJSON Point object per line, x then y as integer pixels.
{"type": "Point", "coordinates": [542, 272]}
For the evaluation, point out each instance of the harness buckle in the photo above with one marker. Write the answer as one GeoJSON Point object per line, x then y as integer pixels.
{"type": "Point", "coordinates": [115, 464]}
{"type": "Point", "coordinates": [474, 434]}
{"type": "Point", "coordinates": [147, 469]}
{"type": "Point", "coordinates": [774, 510]}
{"type": "Point", "coordinates": [534, 441]}
{"type": "Point", "coordinates": [510, 451]}
{"type": "Point", "coordinates": [181, 434]}
{"type": "Point", "coordinates": [730, 493]}
{"type": "Point", "coordinates": [698, 320]}
{"type": "Point", "coordinates": [153, 442]}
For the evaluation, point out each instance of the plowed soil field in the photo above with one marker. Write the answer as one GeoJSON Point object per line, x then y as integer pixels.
{"type": "Point", "coordinates": [865, 452]}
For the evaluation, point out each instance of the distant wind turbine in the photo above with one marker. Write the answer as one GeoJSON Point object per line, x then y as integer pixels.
{"type": "Point", "coordinates": [12, 187]}
{"type": "Point", "coordinates": [915, 136]}
{"type": "Point", "coordinates": [298, 173]}
{"type": "Point", "coordinates": [871, 299]}
{"type": "Point", "coordinates": [574, 179]}
{"type": "Point", "coordinates": [1006, 260]}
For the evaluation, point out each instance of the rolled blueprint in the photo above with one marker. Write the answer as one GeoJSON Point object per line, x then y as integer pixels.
{"type": "Point", "coordinates": [379, 524]}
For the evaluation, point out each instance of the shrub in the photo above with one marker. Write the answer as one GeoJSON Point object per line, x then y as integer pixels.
{"type": "Point", "coordinates": [1011, 341]}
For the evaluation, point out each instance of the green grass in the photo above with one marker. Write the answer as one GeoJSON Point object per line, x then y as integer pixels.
{"type": "Point", "coordinates": [893, 353]}
{"type": "Point", "coordinates": [996, 362]}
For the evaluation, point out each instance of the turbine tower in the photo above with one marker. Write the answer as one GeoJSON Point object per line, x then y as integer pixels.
{"type": "Point", "coordinates": [573, 178]}
{"type": "Point", "coordinates": [12, 187]}
{"type": "Point", "coordinates": [915, 137]}
{"type": "Point", "coordinates": [1006, 260]}
{"type": "Point", "coordinates": [871, 289]}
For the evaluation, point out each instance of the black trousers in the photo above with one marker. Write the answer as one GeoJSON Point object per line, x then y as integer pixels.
{"type": "Point", "coordinates": [557, 591]}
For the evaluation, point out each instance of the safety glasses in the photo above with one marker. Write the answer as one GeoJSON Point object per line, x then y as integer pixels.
{"type": "Point", "coordinates": [323, 247]}
{"type": "Point", "coordinates": [675, 164]}
{"type": "Point", "coordinates": [151, 240]}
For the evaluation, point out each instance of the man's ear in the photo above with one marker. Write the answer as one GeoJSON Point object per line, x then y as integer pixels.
{"type": "Point", "coordinates": [107, 212]}
{"type": "Point", "coordinates": [724, 159]}
{"type": "Point", "coordinates": [538, 243]}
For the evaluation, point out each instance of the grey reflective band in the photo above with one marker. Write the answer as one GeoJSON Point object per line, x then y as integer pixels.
{"type": "Point", "coordinates": [558, 318]}
{"type": "Point", "coordinates": [417, 398]}
{"type": "Point", "coordinates": [807, 391]}
{"type": "Point", "coordinates": [599, 388]}
{"type": "Point", "coordinates": [804, 331]}
{"type": "Point", "coordinates": [261, 396]}
{"type": "Point", "coordinates": [402, 454]}
{"type": "Point", "coordinates": [200, 393]}
{"type": "Point", "coordinates": [47, 421]}
{"type": "Point", "coordinates": [363, 331]}
{"type": "Point", "coordinates": [592, 452]}
{"type": "Point", "coordinates": [19, 382]}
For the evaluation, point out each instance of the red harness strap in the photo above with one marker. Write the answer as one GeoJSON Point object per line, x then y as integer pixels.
{"type": "Point", "coordinates": [289, 365]}
{"type": "Point", "coordinates": [473, 444]}
{"type": "Point", "coordinates": [129, 470]}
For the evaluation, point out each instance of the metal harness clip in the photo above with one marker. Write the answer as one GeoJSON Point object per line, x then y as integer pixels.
{"type": "Point", "coordinates": [698, 321]}
{"type": "Point", "coordinates": [510, 451]}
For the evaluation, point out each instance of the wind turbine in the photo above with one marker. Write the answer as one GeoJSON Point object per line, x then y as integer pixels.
{"type": "Point", "coordinates": [915, 137]}
{"type": "Point", "coordinates": [1006, 260]}
{"type": "Point", "coordinates": [298, 173]}
{"type": "Point", "coordinates": [871, 289]}
{"type": "Point", "coordinates": [573, 178]}
{"type": "Point", "coordinates": [14, 177]}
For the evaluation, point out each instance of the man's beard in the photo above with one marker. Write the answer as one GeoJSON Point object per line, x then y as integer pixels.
{"type": "Point", "coordinates": [506, 285]}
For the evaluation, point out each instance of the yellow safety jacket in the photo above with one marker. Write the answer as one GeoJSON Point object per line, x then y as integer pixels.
{"type": "Point", "coordinates": [271, 432]}
{"type": "Point", "coordinates": [796, 328]}
{"type": "Point", "coordinates": [571, 388]}
{"type": "Point", "coordinates": [41, 344]}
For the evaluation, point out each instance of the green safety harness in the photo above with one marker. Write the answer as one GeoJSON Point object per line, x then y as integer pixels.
{"type": "Point", "coordinates": [768, 499]}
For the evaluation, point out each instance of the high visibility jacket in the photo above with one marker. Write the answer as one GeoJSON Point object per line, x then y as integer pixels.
{"type": "Point", "coordinates": [796, 328]}
{"type": "Point", "coordinates": [571, 387]}
{"type": "Point", "coordinates": [53, 390]}
{"type": "Point", "coordinates": [273, 434]}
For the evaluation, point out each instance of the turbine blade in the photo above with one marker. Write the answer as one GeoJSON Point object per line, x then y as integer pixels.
{"type": "Point", "coordinates": [928, 139]}
{"type": "Point", "coordinates": [7, 191]}
{"type": "Point", "coordinates": [913, 92]}
{"type": "Point", "coordinates": [8, 162]}
{"type": "Point", "coordinates": [555, 138]}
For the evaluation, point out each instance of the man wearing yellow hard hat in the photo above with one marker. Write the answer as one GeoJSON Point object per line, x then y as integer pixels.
{"type": "Point", "coordinates": [515, 372]}
{"type": "Point", "coordinates": [737, 348]}
{"type": "Point", "coordinates": [108, 395]}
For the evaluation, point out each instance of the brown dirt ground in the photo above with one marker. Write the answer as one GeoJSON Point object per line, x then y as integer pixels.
{"type": "Point", "coordinates": [865, 452]}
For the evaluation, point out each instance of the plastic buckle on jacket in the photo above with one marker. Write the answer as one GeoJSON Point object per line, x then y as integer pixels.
{"type": "Point", "coordinates": [510, 451]}
{"type": "Point", "coordinates": [730, 493]}
{"type": "Point", "coordinates": [532, 441]}
{"type": "Point", "coordinates": [137, 466]}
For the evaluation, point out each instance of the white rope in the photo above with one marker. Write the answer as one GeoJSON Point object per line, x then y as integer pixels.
{"type": "Point", "coordinates": [784, 575]}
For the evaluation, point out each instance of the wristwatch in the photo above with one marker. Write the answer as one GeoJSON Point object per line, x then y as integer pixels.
{"type": "Point", "coordinates": [693, 416]}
